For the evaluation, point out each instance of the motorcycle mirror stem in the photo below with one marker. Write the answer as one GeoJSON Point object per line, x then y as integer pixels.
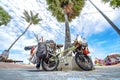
{"type": "Point", "coordinates": [77, 36]}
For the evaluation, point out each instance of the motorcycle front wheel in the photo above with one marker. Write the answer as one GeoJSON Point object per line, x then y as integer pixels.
{"type": "Point", "coordinates": [50, 63]}
{"type": "Point", "coordinates": [83, 61]}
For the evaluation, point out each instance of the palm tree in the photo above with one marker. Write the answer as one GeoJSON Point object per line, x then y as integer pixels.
{"type": "Point", "coordinates": [65, 11]}
{"type": "Point", "coordinates": [4, 17]}
{"type": "Point", "coordinates": [31, 19]}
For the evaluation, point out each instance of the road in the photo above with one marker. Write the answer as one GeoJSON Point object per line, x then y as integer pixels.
{"type": "Point", "coordinates": [100, 73]}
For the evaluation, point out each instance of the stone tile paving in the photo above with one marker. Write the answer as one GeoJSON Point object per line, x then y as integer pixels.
{"type": "Point", "coordinates": [100, 73]}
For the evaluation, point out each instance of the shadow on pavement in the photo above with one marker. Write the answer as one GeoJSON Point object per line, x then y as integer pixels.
{"type": "Point", "coordinates": [35, 70]}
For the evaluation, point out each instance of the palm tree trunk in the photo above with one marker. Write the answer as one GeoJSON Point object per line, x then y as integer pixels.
{"type": "Point", "coordinates": [67, 33]}
{"type": "Point", "coordinates": [109, 21]}
{"type": "Point", "coordinates": [18, 37]}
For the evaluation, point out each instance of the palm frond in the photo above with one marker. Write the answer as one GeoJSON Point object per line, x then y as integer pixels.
{"type": "Point", "coordinates": [4, 17]}
{"type": "Point", "coordinates": [31, 18]}
{"type": "Point", "coordinates": [35, 16]}
{"type": "Point", "coordinates": [105, 1]}
{"type": "Point", "coordinates": [36, 21]}
{"type": "Point", "coordinates": [55, 7]}
{"type": "Point", "coordinates": [27, 19]}
{"type": "Point", "coordinates": [113, 3]}
{"type": "Point", "coordinates": [26, 16]}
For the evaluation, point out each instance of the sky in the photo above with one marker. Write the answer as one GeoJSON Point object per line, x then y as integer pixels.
{"type": "Point", "coordinates": [101, 37]}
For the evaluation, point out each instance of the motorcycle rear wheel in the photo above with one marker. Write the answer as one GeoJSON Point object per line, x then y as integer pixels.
{"type": "Point", "coordinates": [83, 61]}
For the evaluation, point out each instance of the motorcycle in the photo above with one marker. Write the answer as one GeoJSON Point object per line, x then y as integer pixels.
{"type": "Point", "coordinates": [81, 54]}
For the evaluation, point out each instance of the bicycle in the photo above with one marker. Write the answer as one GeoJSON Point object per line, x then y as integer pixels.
{"type": "Point", "coordinates": [51, 61]}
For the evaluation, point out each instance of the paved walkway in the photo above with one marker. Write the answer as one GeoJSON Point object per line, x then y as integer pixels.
{"type": "Point", "coordinates": [100, 73]}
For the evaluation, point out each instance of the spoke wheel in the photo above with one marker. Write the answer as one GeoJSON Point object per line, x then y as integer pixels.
{"type": "Point", "coordinates": [50, 63]}
{"type": "Point", "coordinates": [83, 61]}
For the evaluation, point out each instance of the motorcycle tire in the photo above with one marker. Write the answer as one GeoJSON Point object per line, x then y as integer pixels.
{"type": "Point", "coordinates": [49, 64]}
{"type": "Point", "coordinates": [83, 61]}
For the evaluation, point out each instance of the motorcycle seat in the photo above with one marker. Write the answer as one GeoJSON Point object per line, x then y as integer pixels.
{"type": "Point", "coordinates": [59, 45]}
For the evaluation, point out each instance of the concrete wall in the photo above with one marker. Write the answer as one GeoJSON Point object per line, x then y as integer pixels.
{"type": "Point", "coordinates": [71, 65]}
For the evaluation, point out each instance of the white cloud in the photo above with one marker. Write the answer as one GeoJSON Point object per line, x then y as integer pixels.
{"type": "Point", "coordinates": [88, 23]}
{"type": "Point", "coordinates": [92, 21]}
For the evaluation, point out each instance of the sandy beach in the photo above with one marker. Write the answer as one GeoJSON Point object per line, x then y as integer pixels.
{"type": "Point", "coordinates": [15, 65]}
